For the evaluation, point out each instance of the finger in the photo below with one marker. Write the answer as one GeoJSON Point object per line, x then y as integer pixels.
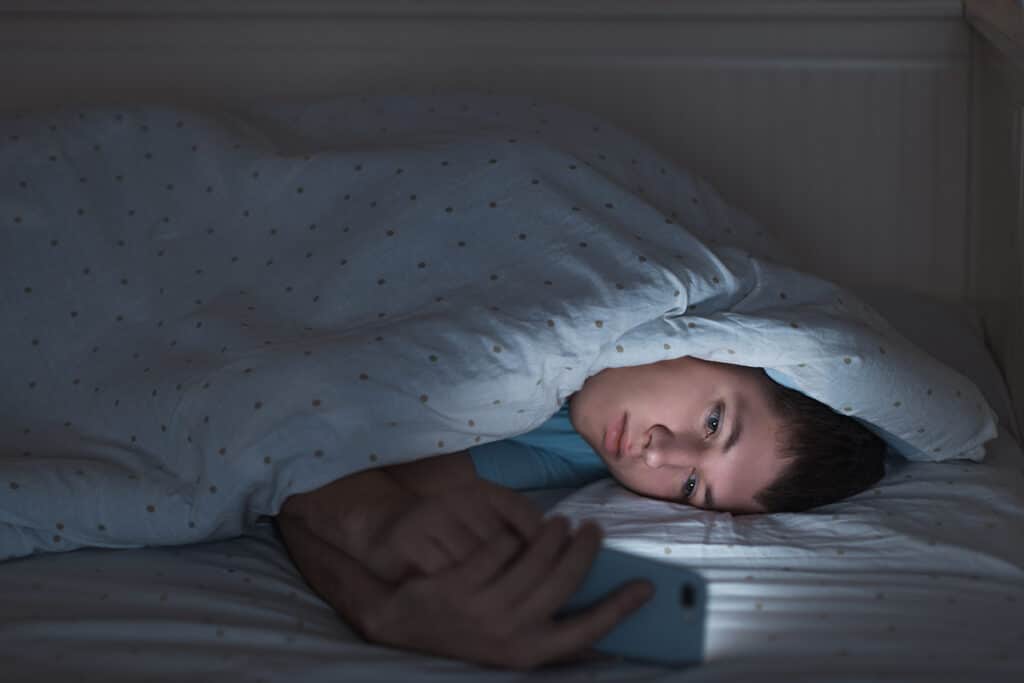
{"type": "Point", "coordinates": [428, 557]}
{"type": "Point", "coordinates": [583, 657]}
{"type": "Point", "coordinates": [516, 510]}
{"type": "Point", "coordinates": [568, 637]}
{"type": "Point", "coordinates": [457, 539]}
{"type": "Point", "coordinates": [487, 561]}
{"type": "Point", "coordinates": [533, 567]}
{"type": "Point", "coordinates": [564, 576]}
{"type": "Point", "coordinates": [482, 519]}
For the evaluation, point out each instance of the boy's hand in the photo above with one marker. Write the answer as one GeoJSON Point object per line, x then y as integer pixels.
{"type": "Point", "coordinates": [497, 607]}
{"type": "Point", "coordinates": [434, 533]}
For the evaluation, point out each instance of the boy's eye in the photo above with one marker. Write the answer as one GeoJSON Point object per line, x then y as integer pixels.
{"type": "Point", "coordinates": [690, 486]}
{"type": "Point", "coordinates": [714, 420]}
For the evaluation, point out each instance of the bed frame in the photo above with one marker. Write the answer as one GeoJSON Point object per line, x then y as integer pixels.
{"type": "Point", "coordinates": [884, 137]}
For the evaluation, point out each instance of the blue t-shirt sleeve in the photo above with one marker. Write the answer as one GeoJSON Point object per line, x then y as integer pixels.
{"type": "Point", "coordinates": [521, 466]}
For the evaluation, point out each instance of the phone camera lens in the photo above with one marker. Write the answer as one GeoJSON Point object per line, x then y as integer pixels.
{"type": "Point", "coordinates": [687, 595]}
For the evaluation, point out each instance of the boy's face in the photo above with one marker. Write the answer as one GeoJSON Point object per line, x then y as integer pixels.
{"type": "Point", "coordinates": [696, 432]}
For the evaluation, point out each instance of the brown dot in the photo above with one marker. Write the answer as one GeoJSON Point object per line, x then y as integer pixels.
{"type": "Point", "coordinates": [257, 405]}
{"type": "Point", "coordinates": [847, 360]}
{"type": "Point", "coordinates": [619, 348]}
{"type": "Point", "coordinates": [213, 489]}
{"type": "Point", "coordinates": [373, 457]}
{"type": "Point", "coordinates": [496, 348]}
{"type": "Point", "coordinates": [691, 325]}
{"type": "Point", "coordinates": [318, 453]}
{"type": "Point", "coordinates": [316, 403]}
{"type": "Point", "coordinates": [599, 323]}
{"type": "Point", "coordinates": [794, 325]}
{"type": "Point", "coordinates": [423, 398]}
{"type": "Point", "coordinates": [60, 526]}
{"type": "Point", "coordinates": [266, 460]}
{"type": "Point", "coordinates": [222, 451]}
{"type": "Point", "coordinates": [551, 323]}
{"type": "Point", "coordinates": [472, 423]}
{"type": "Point", "coordinates": [364, 376]}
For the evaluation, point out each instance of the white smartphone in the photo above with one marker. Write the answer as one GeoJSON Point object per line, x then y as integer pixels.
{"type": "Point", "coordinates": [668, 628]}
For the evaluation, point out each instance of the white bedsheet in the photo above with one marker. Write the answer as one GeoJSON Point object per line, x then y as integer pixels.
{"type": "Point", "coordinates": [898, 585]}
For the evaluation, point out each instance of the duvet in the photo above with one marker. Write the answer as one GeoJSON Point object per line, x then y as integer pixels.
{"type": "Point", "coordinates": [208, 311]}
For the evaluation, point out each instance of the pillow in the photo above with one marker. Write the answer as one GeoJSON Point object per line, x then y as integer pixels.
{"type": "Point", "coordinates": [953, 335]}
{"type": "Point", "coordinates": [929, 411]}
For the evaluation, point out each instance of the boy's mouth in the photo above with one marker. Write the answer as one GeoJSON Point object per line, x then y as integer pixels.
{"type": "Point", "coordinates": [613, 436]}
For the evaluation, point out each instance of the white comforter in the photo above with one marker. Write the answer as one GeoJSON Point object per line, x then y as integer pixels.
{"type": "Point", "coordinates": [206, 313]}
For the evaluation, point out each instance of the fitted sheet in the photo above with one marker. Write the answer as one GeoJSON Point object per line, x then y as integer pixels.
{"type": "Point", "coordinates": [881, 587]}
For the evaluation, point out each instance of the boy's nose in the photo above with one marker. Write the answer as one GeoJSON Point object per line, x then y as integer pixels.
{"type": "Point", "coordinates": [676, 455]}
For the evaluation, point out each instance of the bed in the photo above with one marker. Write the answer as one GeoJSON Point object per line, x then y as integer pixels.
{"type": "Point", "coordinates": [881, 140]}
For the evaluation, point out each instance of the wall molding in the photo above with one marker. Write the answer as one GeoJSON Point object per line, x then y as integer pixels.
{"type": "Point", "coordinates": [878, 10]}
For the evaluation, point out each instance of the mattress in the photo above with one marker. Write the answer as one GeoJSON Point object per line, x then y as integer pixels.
{"type": "Point", "coordinates": [919, 578]}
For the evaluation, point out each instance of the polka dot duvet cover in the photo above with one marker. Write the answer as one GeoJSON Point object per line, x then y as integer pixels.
{"type": "Point", "coordinates": [208, 311]}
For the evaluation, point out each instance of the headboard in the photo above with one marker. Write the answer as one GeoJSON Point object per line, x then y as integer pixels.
{"type": "Point", "coordinates": [855, 128]}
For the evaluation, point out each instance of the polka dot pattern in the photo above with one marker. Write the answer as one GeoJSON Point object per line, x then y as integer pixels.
{"type": "Point", "coordinates": [210, 323]}
{"type": "Point", "coordinates": [217, 293]}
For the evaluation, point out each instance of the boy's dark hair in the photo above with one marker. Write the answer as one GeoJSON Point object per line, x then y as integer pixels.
{"type": "Point", "coordinates": [829, 456]}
